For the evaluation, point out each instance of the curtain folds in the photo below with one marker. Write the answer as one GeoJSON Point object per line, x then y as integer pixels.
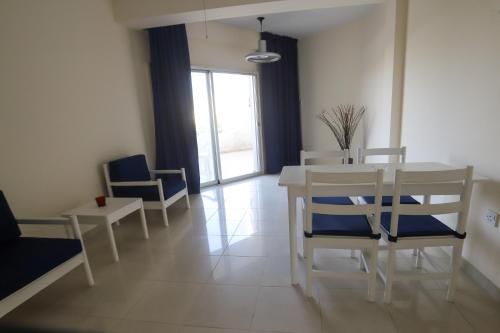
{"type": "Point", "coordinates": [175, 130]}
{"type": "Point", "coordinates": [279, 82]}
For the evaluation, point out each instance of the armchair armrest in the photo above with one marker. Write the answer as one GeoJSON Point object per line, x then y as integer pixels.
{"type": "Point", "coordinates": [61, 221]}
{"type": "Point", "coordinates": [181, 171]}
{"type": "Point", "coordinates": [141, 183]}
{"type": "Point", "coordinates": [166, 171]}
{"type": "Point", "coordinates": [43, 220]}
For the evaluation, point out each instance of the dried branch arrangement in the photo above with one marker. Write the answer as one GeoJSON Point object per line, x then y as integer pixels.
{"type": "Point", "coordinates": [343, 121]}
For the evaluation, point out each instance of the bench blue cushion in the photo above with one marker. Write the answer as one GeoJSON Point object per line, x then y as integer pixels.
{"type": "Point", "coordinates": [416, 225]}
{"type": "Point", "coordinates": [9, 230]}
{"type": "Point", "coordinates": [25, 259]}
{"type": "Point", "coordinates": [387, 200]}
{"type": "Point", "coordinates": [150, 193]}
{"type": "Point", "coordinates": [129, 169]}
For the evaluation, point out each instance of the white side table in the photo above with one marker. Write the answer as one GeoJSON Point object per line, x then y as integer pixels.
{"type": "Point", "coordinates": [115, 209]}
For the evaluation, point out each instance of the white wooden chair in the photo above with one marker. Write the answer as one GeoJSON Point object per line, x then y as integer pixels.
{"type": "Point", "coordinates": [133, 178]}
{"type": "Point", "coordinates": [343, 226]}
{"type": "Point", "coordinates": [400, 153]}
{"type": "Point", "coordinates": [310, 157]}
{"type": "Point", "coordinates": [414, 226]}
{"type": "Point", "coordinates": [329, 156]}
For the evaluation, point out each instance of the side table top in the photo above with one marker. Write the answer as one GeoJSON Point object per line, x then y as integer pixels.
{"type": "Point", "coordinates": [112, 205]}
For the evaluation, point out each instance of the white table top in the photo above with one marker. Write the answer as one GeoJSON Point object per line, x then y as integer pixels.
{"type": "Point", "coordinates": [296, 175]}
{"type": "Point", "coordinates": [91, 209]}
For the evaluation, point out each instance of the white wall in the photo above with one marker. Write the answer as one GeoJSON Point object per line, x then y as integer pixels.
{"type": "Point", "coordinates": [70, 99]}
{"type": "Point", "coordinates": [224, 49]}
{"type": "Point", "coordinates": [451, 104]}
{"type": "Point", "coordinates": [349, 64]}
{"type": "Point", "coordinates": [330, 74]}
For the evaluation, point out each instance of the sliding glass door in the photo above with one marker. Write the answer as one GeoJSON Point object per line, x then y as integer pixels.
{"type": "Point", "coordinates": [227, 125]}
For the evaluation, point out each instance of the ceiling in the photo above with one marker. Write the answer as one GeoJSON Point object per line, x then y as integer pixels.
{"type": "Point", "coordinates": [300, 24]}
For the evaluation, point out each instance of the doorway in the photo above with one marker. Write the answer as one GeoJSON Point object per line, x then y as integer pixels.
{"type": "Point", "coordinates": [227, 125]}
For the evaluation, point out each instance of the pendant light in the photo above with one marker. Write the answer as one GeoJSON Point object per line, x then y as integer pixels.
{"type": "Point", "coordinates": [261, 56]}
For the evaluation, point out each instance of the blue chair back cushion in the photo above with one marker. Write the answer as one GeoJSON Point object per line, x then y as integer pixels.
{"type": "Point", "coordinates": [150, 193]}
{"type": "Point", "coordinates": [26, 259]}
{"type": "Point", "coordinates": [9, 229]}
{"type": "Point", "coordinates": [132, 168]}
{"type": "Point", "coordinates": [416, 226]}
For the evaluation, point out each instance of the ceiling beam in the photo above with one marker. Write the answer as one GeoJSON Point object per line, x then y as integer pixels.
{"type": "Point", "coordinates": [154, 13]}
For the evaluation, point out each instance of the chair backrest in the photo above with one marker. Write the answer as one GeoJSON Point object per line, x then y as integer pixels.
{"type": "Point", "coordinates": [335, 184]}
{"type": "Point", "coordinates": [453, 183]}
{"type": "Point", "coordinates": [331, 156]}
{"type": "Point", "coordinates": [127, 169]}
{"type": "Point", "coordinates": [399, 152]}
{"type": "Point", "coordinates": [8, 225]}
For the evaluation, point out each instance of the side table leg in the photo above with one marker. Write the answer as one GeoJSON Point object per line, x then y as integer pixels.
{"type": "Point", "coordinates": [112, 241]}
{"type": "Point", "coordinates": [143, 222]}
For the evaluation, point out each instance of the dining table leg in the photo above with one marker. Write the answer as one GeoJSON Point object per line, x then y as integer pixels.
{"type": "Point", "coordinates": [292, 224]}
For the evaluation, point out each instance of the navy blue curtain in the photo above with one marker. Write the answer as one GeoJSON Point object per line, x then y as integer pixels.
{"type": "Point", "coordinates": [175, 130]}
{"type": "Point", "coordinates": [279, 82]}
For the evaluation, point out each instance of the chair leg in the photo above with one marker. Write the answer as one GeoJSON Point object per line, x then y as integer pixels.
{"type": "Point", "coordinates": [164, 214]}
{"type": "Point", "coordinates": [188, 205]}
{"type": "Point", "coordinates": [372, 280]}
{"type": "Point", "coordinates": [389, 275]}
{"type": "Point", "coordinates": [360, 259]}
{"type": "Point", "coordinates": [456, 259]}
{"type": "Point", "coordinates": [309, 267]}
{"type": "Point", "coordinates": [419, 258]}
{"type": "Point", "coordinates": [415, 252]}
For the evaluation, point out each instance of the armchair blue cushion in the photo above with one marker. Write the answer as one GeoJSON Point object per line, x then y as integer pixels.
{"type": "Point", "coordinates": [150, 193]}
{"type": "Point", "coordinates": [25, 259]}
{"type": "Point", "coordinates": [129, 169]}
{"type": "Point", "coordinates": [9, 230]}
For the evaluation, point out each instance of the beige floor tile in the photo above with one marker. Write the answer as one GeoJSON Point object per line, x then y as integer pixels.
{"type": "Point", "coordinates": [223, 306]}
{"type": "Point", "coordinates": [426, 311]}
{"type": "Point", "coordinates": [239, 271]}
{"type": "Point", "coordinates": [138, 326]}
{"type": "Point", "coordinates": [286, 309]}
{"type": "Point", "coordinates": [165, 302]}
{"type": "Point", "coordinates": [251, 246]}
{"type": "Point", "coordinates": [479, 309]}
{"type": "Point", "coordinates": [349, 311]}
{"type": "Point", "coordinates": [185, 268]}
{"type": "Point", "coordinates": [249, 227]}
{"type": "Point", "coordinates": [276, 272]}
{"type": "Point", "coordinates": [235, 237]}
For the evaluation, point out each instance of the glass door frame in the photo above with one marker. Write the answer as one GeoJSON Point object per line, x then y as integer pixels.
{"type": "Point", "coordinates": [213, 125]}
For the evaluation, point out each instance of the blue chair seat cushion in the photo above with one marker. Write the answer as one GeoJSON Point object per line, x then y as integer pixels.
{"type": "Point", "coordinates": [387, 200]}
{"type": "Point", "coordinates": [9, 230]}
{"type": "Point", "coordinates": [416, 226]}
{"type": "Point", "coordinates": [25, 259]}
{"type": "Point", "coordinates": [150, 193]}
{"type": "Point", "coordinates": [341, 225]}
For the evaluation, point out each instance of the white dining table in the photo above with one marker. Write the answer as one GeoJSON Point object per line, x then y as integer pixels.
{"type": "Point", "coordinates": [294, 178]}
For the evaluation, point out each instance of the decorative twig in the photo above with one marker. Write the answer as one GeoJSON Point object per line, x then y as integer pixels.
{"type": "Point", "coordinates": [343, 122]}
